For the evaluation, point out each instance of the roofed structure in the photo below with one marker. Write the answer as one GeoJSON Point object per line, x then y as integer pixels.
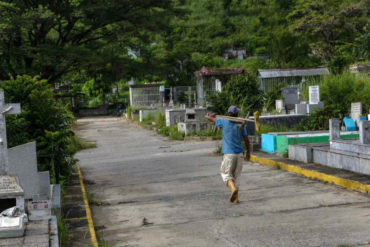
{"type": "Point", "coordinates": [276, 78]}
{"type": "Point", "coordinates": [146, 94]}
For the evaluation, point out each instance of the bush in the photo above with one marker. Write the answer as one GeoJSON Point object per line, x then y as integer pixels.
{"type": "Point", "coordinates": [128, 112]}
{"type": "Point", "coordinates": [241, 91]}
{"type": "Point", "coordinates": [160, 119]}
{"type": "Point", "coordinates": [175, 134]}
{"type": "Point", "coordinates": [148, 120]}
{"type": "Point", "coordinates": [266, 128]}
{"type": "Point", "coordinates": [337, 92]}
{"type": "Point", "coordinates": [42, 120]}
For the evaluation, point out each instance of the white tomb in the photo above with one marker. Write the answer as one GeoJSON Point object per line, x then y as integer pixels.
{"type": "Point", "coordinates": [11, 193]}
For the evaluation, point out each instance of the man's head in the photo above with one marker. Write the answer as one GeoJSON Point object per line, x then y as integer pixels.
{"type": "Point", "coordinates": [233, 111]}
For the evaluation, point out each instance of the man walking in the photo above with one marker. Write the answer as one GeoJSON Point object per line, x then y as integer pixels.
{"type": "Point", "coordinates": [232, 162]}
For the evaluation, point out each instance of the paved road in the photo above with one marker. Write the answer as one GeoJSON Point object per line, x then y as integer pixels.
{"type": "Point", "coordinates": [160, 193]}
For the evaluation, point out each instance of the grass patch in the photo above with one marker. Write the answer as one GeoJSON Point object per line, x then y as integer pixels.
{"type": "Point", "coordinates": [214, 134]}
{"type": "Point", "coordinates": [79, 144]}
{"type": "Point", "coordinates": [95, 200]}
{"type": "Point", "coordinates": [277, 165]}
{"type": "Point", "coordinates": [63, 232]}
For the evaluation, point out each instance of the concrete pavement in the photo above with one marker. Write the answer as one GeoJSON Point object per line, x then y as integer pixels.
{"type": "Point", "coordinates": [158, 192]}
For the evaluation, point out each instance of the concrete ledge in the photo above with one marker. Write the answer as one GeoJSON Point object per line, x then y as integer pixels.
{"type": "Point", "coordinates": [283, 164]}
{"type": "Point", "coordinates": [340, 159]}
{"type": "Point", "coordinates": [303, 152]}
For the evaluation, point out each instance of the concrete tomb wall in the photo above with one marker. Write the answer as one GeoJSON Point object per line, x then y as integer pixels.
{"type": "Point", "coordinates": [352, 155]}
{"type": "Point", "coordinates": [174, 116]}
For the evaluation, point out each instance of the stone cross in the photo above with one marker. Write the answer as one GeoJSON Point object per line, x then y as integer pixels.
{"type": "Point", "coordinates": [189, 94]}
{"type": "Point", "coordinates": [5, 109]}
{"type": "Point", "coordinates": [364, 132]}
{"type": "Point", "coordinates": [334, 129]}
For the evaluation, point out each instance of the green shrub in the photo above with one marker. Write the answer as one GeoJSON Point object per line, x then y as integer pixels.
{"type": "Point", "coordinates": [128, 112]}
{"type": "Point", "coordinates": [337, 92]}
{"type": "Point", "coordinates": [63, 232]}
{"type": "Point", "coordinates": [216, 135]}
{"type": "Point", "coordinates": [241, 91]}
{"type": "Point", "coordinates": [175, 134]}
{"type": "Point", "coordinates": [148, 120]}
{"type": "Point", "coordinates": [160, 119]}
{"type": "Point", "coordinates": [43, 120]}
{"type": "Point", "coordinates": [266, 128]}
{"type": "Point", "coordinates": [163, 130]}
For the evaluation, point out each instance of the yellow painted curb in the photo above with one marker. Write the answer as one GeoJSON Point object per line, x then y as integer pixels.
{"type": "Point", "coordinates": [87, 208]}
{"type": "Point", "coordinates": [346, 183]}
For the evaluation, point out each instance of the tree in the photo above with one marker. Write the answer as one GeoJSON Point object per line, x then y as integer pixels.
{"type": "Point", "coordinates": [241, 91]}
{"type": "Point", "coordinates": [42, 120]}
{"type": "Point", "coordinates": [331, 26]}
{"type": "Point", "coordinates": [53, 38]}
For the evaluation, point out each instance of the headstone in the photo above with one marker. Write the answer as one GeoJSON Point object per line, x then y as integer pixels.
{"type": "Point", "coordinates": [301, 108]}
{"type": "Point", "coordinates": [218, 85]}
{"type": "Point", "coordinates": [349, 124]}
{"type": "Point", "coordinates": [356, 111]}
{"type": "Point", "coordinates": [365, 132]}
{"type": "Point", "coordinates": [171, 98]}
{"type": "Point", "coordinates": [189, 94]}
{"type": "Point", "coordinates": [334, 129]}
{"type": "Point", "coordinates": [290, 96]}
{"type": "Point", "coordinates": [39, 210]}
{"type": "Point", "coordinates": [23, 163]}
{"type": "Point", "coordinates": [279, 105]}
{"type": "Point", "coordinates": [314, 94]}
{"type": "Point", "coordinates": [311, 107]}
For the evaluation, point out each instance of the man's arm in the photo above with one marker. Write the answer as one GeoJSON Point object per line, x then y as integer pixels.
{"type": "Point", "coordinates": [246, 142]}
{"type": "Point", "coordinates": [211, 117]}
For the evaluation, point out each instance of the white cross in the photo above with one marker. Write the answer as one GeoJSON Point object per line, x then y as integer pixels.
{"type": "Point", "coordinates": [5, 109]}
{"type": "Point", "coordinates": [189, 94]}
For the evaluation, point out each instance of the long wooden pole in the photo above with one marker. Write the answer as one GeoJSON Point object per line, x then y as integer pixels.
{"type": "Point", "coordinates": [235, 119]}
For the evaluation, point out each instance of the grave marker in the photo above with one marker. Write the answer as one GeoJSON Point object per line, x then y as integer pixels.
{"type": "Point", "coordinates": [290, 96]}
{"type": "Point", "coordinates": [334, 129]}
{"type": "Point", "coordinates": [356, 111]}
{"type": "Point", "coordinates": [365, 132]}
{"type": "Point", "coordinates": [314, 94]}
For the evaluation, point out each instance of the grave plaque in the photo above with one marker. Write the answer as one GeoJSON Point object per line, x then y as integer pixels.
{"type": "Point", "coordinates": [290, 96]}
{"type": "Point", "coordinates": [365, 132]}
{"type": "Point", "coordinates": [334, 129]}
{"type": "Point", "coordinates": [356, 111]}
{"type": "Point", "coordinates": [314, 94]}
{"type": "Point", "coordinates": [9, 185]}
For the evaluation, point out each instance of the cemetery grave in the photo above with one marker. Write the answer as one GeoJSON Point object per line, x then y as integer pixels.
{"type": "Point", "coordinates": [20, 182]}
{"type": "Point", "coordinates": [194, 121]}
{"type": "Point", "coordinates": [279, 142]}
{"type": "Point", "coordinates": [352, 155]}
